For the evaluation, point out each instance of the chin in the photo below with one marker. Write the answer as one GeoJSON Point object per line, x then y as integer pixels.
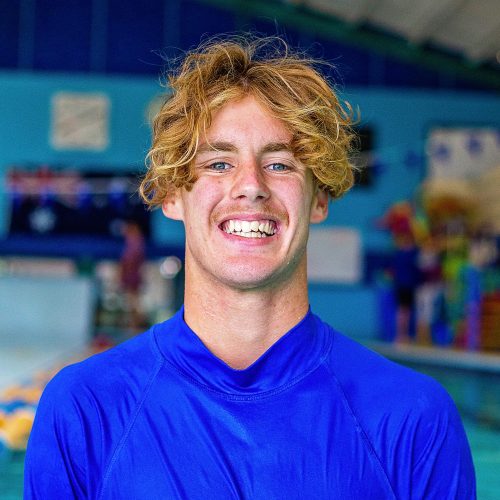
{"type": "Point", "coordinates": [249, 282]}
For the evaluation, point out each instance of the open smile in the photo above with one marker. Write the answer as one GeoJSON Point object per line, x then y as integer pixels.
{"type": "Point", "coordinates": [262, 228]}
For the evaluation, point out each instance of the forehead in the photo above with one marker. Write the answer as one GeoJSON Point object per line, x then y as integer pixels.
{"type": "Point", "coordinates": [246, 119]}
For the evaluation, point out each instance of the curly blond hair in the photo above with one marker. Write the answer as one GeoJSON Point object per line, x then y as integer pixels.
{"type": "Point", "coordinates": [287, 84]}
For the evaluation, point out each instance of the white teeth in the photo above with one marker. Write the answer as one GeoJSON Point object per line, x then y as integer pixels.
{"type": "Point", "coordinates": [250, 234]}
{"type": "Point", "coordinates": [250, 229]}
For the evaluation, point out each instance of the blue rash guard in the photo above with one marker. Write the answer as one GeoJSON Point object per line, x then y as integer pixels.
{"type": "Point", "coordinates": [316, 417]}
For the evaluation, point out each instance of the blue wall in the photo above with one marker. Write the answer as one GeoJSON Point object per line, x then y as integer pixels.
{"type": "Point", "coordinates": [25, 122]}
{"type": "Point", "coordinates": [400, 120]}
{"type": "Point", "coordinates": [25, 117]}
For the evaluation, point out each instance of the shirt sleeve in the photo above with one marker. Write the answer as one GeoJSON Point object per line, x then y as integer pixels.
{"type": "Point", "coordinates": [444, 469]}
{"type": "Point", "coordinates": [54, 464]}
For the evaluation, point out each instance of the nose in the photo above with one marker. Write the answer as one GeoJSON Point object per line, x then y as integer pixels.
{"type": "Point", "coordinates": [249, 182]}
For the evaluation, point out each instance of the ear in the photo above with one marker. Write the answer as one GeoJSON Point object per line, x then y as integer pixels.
{"type": "Point", "coordinates": [172, 206]}
{"type": "Point", "coordinates": [319, 208]}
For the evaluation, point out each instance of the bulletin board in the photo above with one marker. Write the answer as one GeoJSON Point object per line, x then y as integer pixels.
{"type": "Point", "coordinates": [462, 152]}
{"type": "Point", "coordinates": [45, 201]}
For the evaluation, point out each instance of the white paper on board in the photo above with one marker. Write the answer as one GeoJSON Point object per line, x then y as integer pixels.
{"type": "Point", "coordinates": [334, 255]}
{"type": "Point", "coordinates": [80, 121]}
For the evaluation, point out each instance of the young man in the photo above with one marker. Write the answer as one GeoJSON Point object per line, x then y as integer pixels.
{"type": "Point", "coordinates": [244, 393]}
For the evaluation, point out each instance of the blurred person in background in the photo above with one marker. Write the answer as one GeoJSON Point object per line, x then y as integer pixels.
{"type": "Point", "coordinates": [245, 393]}
{"type": "Point", "coordinates": [131, 268]}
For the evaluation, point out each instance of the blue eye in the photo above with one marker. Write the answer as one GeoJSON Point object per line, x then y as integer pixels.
{"type": "Point", "coordinates": [219, 166]}
{"type": "Point", "coordinates": [278, 167]}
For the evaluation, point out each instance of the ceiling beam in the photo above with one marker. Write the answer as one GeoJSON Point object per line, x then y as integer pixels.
{"type": "Point", "coordinates": [322, 25]}
{"type": "Point", "coordinates": [361, 10]}
{"type": "Point", "coordinates": [487, 43]}
{"type": "Point", "coordinates": [432, 18]}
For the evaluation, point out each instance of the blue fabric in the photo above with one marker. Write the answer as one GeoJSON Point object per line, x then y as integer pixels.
{"type": "Point", "coordinates": [317, 416]}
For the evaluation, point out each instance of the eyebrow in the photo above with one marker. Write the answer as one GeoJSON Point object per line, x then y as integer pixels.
{"type": "Point", "coordinates": [217, 146]}
{"type": "Point", "coordinates": [272, 147]}
{"type": "Point", "coordinates": [275, 147]}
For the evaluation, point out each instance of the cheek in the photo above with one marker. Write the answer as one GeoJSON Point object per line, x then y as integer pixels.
{"type": "Point", "coordinates": [208, 187]}
{"type": "Point", "coordinates": [295, 200]}
{"type": "Point", "coordinates": [201, 200]}
{"type": "Point", "coordinates": [304, 197]}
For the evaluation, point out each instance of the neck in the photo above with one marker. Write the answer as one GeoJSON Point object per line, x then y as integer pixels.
{"type": "Point", "coordinates": [238, 326]}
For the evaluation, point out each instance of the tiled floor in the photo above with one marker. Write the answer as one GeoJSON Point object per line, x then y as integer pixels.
{"type": "Point", "coordinates": [485, 445]}
{"type": "Point", "coordinates": [11, 475]}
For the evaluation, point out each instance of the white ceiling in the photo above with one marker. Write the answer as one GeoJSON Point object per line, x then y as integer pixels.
{"type": "Point", "coordinates": [470, 28]}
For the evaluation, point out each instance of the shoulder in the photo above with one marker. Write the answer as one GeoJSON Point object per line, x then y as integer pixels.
{"type": "Point", "coordinates": [84, 412]}
{"type": "Point", "coordinates": [366, 376]}
{"type": "Point", "coordinates": [386, 396]}
{"type": "Point", "coordinates": [122, 371]}
{"type": "Point", "coordinates": [408, 420]}
{"type": "Point", "coordinates": [120, 374]}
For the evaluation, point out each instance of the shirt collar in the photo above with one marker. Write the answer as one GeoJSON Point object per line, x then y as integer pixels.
{"type": "Point", "coordinates": [289, 359]}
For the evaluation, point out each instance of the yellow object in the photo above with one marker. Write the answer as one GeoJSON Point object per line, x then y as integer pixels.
{"type": "Point", "coordinates": [16, 428]}
{"type": "Point", "coordinates": [29, 394]}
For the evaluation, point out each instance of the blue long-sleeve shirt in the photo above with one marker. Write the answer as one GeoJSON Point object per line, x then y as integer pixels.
{"type": "Point", "coordinates": [316, 417]}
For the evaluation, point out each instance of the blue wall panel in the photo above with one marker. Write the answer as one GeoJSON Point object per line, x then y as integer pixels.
{"type": "Point", "coordinates": [353, 65]}
{"type": "Point", "coordinates": [199, 20]}
{"type": "Point", "coordinates": [62, 35]}
{"type": "Point", "coordinates": [352, 310]}
{"type": "Point", "coordinates": [401, 74]}
{"type": "Point", "coordinates": [9, 34]}
{"type": "Point", "coordinates": [135, 35]}
{"type": "Point", "coordinates": [127, 36]}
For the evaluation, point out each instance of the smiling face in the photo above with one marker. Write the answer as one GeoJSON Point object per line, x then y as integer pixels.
{"type": "Point", "coordinates": [247, 215]}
